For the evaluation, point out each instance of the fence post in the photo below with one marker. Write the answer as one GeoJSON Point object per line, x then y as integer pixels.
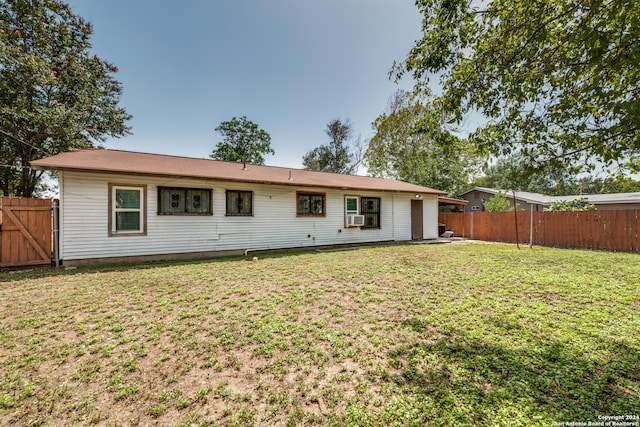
{"type": "Point", "coordinates": [531, 226]}
{"type": "Point", "coordinates": [1, 200]}
{"type": "Point", "coordinates": [471, 231]}
{"type": "Point", "coordinates": [515, 215]}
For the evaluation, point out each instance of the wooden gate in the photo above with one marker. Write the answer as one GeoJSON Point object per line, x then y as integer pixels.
{"type": "Point", "coordinates": [25, 232]}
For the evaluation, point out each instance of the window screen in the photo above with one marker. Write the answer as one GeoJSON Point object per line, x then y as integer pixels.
{"type": "Point", "coordinates": [351, 203]}
{"type": "Point", "coordinates": [239, 203]}
{"type": "Point", "coordinates": [310, 204]}
{"type": "Point", "coordinates": [184, 201]}
{"type": "Point", "coordinates": [370, 208]}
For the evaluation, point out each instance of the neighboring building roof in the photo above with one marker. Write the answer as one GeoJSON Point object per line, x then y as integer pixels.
{"type": "Point", "coordinates": [600, 199]}
{"type": "Point", "coordinates": [524, 196]}
{"type": "Point", "coordinates": [128, 162]}
{"type": "Point", "coordinates": [542, 199]}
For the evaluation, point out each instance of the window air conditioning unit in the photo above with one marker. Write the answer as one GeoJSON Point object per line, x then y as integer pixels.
{"type": "Point", "coordinates": [355, 220]}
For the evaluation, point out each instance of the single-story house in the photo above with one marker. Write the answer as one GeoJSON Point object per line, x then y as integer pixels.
{"type": "Point", "coordinates": [120, 205]}
{"type": "Point", "coordinates": [526, 200]}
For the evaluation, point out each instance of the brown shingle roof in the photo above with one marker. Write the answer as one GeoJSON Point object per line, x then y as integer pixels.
{"type": "Point", "coordinates": [128, 162]}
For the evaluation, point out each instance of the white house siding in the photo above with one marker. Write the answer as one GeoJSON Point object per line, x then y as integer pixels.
{"type": "Point", "coordinates": [401, 216]}
{"type": "Point", "coordinates": [274, 224]}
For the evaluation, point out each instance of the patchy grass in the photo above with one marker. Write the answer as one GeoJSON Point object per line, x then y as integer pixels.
{"type": "Point", "coordinates": [401, 335]}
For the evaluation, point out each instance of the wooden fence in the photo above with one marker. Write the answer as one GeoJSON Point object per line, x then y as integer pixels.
{"type": "Point", "coordinates": [612, 230]}
{"type": "Point", "coordinates": [25, 232]}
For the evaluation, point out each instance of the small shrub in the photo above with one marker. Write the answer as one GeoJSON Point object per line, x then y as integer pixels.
{"type": "Point", "coordinates": [581, 204]}
{"type": "Point", "coordinates": [498, 203]}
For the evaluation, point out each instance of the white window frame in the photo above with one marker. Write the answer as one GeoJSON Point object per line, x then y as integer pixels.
{"type": "Point", "coordinates": [348, 211]}
{"type": "Point", "coordinates": [141, 210]}
{"type": "Point", "coordinates": [351, 212]}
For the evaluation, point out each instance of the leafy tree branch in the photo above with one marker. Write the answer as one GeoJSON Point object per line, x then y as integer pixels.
{"type": "Point", "coordinates": [557, 79]}
{"type": "Point", "coordinates": [55, 94]}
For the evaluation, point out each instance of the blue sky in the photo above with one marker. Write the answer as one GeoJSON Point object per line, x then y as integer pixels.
{"type": "Point", "coordinates": [291, 66]}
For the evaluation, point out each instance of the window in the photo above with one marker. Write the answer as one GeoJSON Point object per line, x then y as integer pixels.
{"type": "Point", "coordinates": [127, 210]}
{"type": "Point", "coordinates": [239, 203]}
{"type": "Point", "coordinates": [370, 208]}
{"type": "Point", "coordinates": [311, 204]}
{"type": "Point", "coordinates": [184, 201]}
{"type": "Point", "coordinates": [351, 205]}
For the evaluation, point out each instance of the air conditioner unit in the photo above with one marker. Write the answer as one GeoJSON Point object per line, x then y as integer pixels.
{"type": "Point", "coordinates": [355, 220]}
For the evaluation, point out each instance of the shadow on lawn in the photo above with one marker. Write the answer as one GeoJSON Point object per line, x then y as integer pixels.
{"type": "Point", "coordinates": [7, 276]}
{"type": "Point", "coordinates": [37, 272]}
{"type": "Point", "coordinates": [471, 381]}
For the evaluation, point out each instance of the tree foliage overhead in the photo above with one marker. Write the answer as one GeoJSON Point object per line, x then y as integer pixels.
{"type": "Point", "coordinates": [242, 140]}
{"type": "Point", "coordinates": [55, 95]}
{"type": "Point", "coordinates": [559, 80]}
{"type": "Point", "coordinates": [618, 184]}
{"type": "Point", "coordinates": [510, 172]}
{"type": "Point", "coordinates": [429, 156]}
{"type": "Point", "coordinates": [341, 155]}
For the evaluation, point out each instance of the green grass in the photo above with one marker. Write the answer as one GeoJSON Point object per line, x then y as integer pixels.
{"type": "Point", "coordinates": [403, 335]}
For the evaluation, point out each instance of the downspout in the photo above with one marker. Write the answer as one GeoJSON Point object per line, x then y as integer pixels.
{"type": "Point", "coordinates": [56, 232]}
{"type": "Point", "coordinates": [393, 217]}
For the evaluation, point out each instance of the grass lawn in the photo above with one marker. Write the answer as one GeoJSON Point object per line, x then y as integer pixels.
{"type": "Point", "coordinates": [455, 334]}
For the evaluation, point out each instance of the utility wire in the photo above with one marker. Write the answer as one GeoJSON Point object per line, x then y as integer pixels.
{"type": "Point", "coordinates": [7, 134]}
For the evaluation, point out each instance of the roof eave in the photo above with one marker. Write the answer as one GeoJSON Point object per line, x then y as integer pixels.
{"type": "Point", "coordinates": [44, 166]}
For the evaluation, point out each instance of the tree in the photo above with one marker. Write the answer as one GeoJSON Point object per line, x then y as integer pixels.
{"type": "Point", "coordinates": [338, 156]}
{"type": "Point", "coordinates": [242, 140]}
{"type": "Point", "coordinates": [511, 172]}
{"type": "Point", "coordinates": [558, 80]}
{"type": "Point", "coordinates": [619, 183]}
{"type": "Point", "coordinates": [497, 203]}
{"type": "Point", "coordinates": [431, 156]}
{"type": "Point", "coordinates": [55, 95]}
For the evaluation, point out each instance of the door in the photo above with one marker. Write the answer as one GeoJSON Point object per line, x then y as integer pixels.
{"type": "Point", "coordinates": [416, 220]}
